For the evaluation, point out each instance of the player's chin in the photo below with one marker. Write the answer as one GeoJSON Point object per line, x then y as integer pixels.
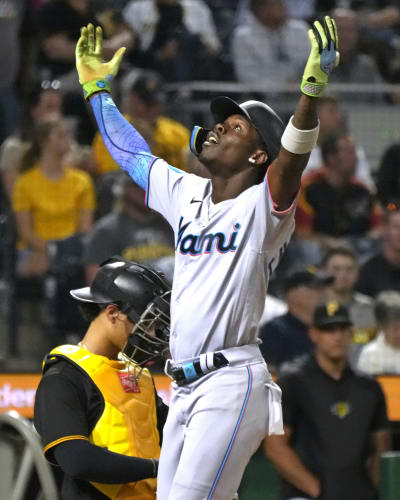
{"type": "Point", "coordinates": [210, 156]}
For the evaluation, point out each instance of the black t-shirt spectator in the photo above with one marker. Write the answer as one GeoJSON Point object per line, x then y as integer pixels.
{"type": "Point", "coordinates": [60, 18]}
{"type": "Point", "coordinates": [332, 421]}
{"type": "Point", "coordinates": [376, 275]}
{"type": "Point", "coordinates": [334, 211]}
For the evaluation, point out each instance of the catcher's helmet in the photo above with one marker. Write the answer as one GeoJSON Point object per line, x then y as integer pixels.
{"type": "Point", "coordinates": [140, 292]}
{"type": "Point", "coordinates": [262, 117]}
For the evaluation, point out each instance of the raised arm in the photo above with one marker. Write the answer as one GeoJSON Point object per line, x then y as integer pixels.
{"type": "Point", "coordinates": [301, 134]}
{"type": "Point", "coordinates": [128, 148]}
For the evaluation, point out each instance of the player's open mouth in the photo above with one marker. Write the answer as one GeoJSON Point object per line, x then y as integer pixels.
{"type": "Point", "coordinates": [212, 140]}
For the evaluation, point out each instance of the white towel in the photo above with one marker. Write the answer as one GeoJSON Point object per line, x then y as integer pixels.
{"type": "Point", "coordinates": [275, 421]}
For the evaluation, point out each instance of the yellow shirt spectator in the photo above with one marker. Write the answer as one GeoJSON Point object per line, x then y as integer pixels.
{"type": "Point", "coordinates": [55, 205]}
{"type": "Point", "coordinates": [168, 139]}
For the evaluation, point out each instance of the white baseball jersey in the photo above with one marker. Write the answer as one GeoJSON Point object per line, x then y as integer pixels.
{"type": "Point", "coordinates": [224, 255]}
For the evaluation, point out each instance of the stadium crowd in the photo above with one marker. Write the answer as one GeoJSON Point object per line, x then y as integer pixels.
{"type": "Point", "coordinates": [65, 207]}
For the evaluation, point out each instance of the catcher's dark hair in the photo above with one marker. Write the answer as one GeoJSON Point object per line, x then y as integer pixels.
{"type": "Point", "coordinates": [342, 251]}
{"type": "Point", "coordinates": [89, 311]}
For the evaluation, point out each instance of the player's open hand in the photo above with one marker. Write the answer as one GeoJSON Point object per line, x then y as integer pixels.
{"type": "Point", "coordinates": [89, 56]}
{"type": "Point", "coordinates": [324, 56]}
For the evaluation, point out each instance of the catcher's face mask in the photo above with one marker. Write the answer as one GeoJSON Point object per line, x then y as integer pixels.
{"type": "Point", "coordinates": [149, 340]}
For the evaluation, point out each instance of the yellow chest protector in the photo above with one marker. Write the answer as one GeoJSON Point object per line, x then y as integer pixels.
{"type": "Point", "coordinates": [128, 424]}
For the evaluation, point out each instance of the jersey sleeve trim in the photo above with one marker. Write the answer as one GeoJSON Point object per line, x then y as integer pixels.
{"type": "Point", "coordinates": [170, 167]}
{"type": "Point", "coordinates": [275, 205]}
{"type": "Point", "coordinates": [62, 440]}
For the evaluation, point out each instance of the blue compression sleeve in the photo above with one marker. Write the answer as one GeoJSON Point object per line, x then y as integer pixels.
{"type": "Point", "coordinates": [128, 148]}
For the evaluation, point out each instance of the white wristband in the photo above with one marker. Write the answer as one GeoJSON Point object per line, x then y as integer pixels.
{"type": "Point", "coordinates": [299, 141]}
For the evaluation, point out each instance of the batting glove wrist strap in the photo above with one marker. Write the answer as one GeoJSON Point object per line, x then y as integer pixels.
{"type": "Point", "coordinates": [323, 58]}
{"type": "Point", "coordinates": [94, 86]}
{"type": "Point", "coordinates": [299, 141]}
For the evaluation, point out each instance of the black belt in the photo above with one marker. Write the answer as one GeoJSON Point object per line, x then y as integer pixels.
{"type": "Point", "coordinates": [192, 370]}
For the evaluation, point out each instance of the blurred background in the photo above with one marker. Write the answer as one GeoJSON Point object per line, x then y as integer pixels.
{"type": "Point", "coordinates": [65, 207]}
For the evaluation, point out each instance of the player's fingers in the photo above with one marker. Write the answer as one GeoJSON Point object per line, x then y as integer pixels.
{"type": "Point", "coordinates": [320, 34]}
{"type": "Point", "coordinates": [330, 30]}
{"type": "Point", "coordinates": [116, 60]}
{"type": "Point", "coordinates": [313, 40]}
{"type": "Point", "coordinates": [90, 29]}
{"type": "Point", "coordinates": [81, 46]}
{"type": "Point", "coordinates": [336, 34]}
{"type": "Point", "coordinates": [99, 41]}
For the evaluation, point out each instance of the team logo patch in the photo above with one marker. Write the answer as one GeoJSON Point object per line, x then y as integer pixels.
{"type": "Point", "coordinates": [128, 382]}
{"type": "Point", "coordinates": [341, 409]}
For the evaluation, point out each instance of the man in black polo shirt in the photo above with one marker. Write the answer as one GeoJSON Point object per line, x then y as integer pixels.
{"type": "Point", "coordinates": [331, 417]}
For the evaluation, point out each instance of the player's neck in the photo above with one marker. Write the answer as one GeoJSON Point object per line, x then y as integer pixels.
{"type": "Point", "coordinates": [227, 189]}
{"type": "Point", "coordinates": [96, 341]}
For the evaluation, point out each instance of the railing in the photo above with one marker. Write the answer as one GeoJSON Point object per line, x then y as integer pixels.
{"type": "Point", "coordinates": [372, 116]}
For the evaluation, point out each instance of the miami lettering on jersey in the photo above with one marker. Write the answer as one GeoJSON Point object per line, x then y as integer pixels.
{"type": "Point", "coordinates": [194, 244]}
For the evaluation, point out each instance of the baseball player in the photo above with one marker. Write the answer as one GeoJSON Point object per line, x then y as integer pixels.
{"type": "Point", "coordinates": [230, 231]}
{"type": "Point", "coordinates": [96, 408]}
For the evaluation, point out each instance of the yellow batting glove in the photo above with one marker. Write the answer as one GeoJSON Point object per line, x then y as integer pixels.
{"type": "Point", "coordinates": [324, 56]}
{"type": "Point", "coordinates": [95, 74]}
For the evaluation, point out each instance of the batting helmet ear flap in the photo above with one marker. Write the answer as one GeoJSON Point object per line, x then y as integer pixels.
{"type": "Point", "coordinates": [199, 135]}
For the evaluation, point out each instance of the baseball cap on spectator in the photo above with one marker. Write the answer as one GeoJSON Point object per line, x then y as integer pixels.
{"type": "Point", "coordinates": [307, 277]}
{"type": "Point", "coordinates": [149, 87]}
{"type": "Point", "coordinates": [331, 313]}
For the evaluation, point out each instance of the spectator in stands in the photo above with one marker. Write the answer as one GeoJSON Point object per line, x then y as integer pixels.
{"type": "Point", "coordinates": [51, 201]}
{"type": "Point", "coordinates": [332, 204]}
{"type": "Point", "coordinates": [44, 100]}
{"type": "Point", "coordinates": [178, 38]}
{"type": "Point", "coordinates": [354, 66]}
{"type": "Point", "coordinates": [342, 264]}
{"type": "Point", "coordinates": [59, 25]}
{"type": "Point", "coordinates": [132, 231]}
{"type": "Point", "coordinates": [332, 120]}
{"type": "Point", "coordinates": [382, 272]}
{"type": "Point", "coordinates": [166, 137]}
{"type": "Point", "coordinates": [268, 47]}
{"type": "Point", "coordinates": [11, 16]}
{"type": "Point", "coordinates": [388, 181]}
{"type": "Point", "coordinates": [382, 355]}
{"type": "Point", "coordinates": [335, 420]}
{"type": "Point", "coordinates": [53, 205]}
{"type": "Point", "coordinates": [285, 338]}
